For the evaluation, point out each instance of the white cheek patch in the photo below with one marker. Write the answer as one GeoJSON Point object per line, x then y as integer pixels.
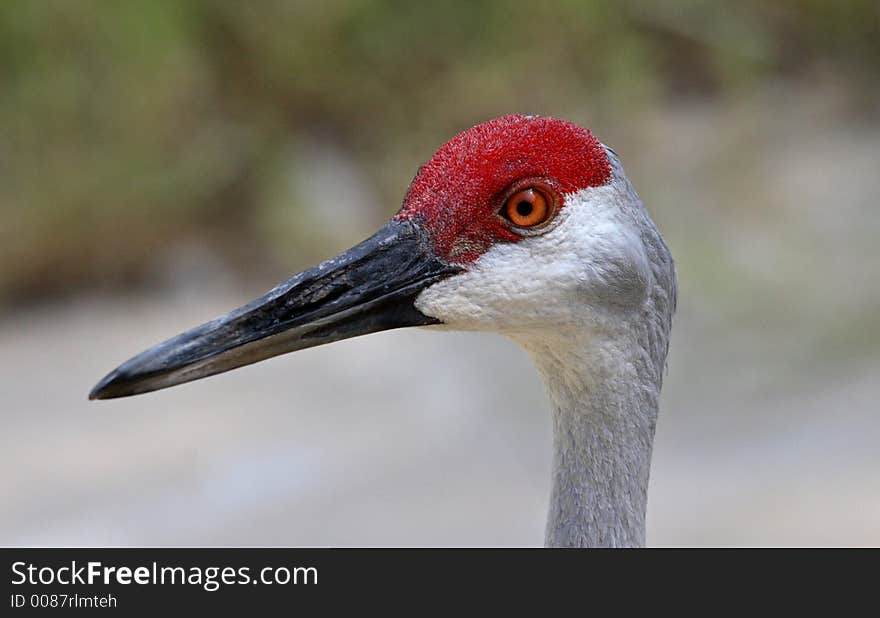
{"type": "Point", "coordinates": [591, 256]}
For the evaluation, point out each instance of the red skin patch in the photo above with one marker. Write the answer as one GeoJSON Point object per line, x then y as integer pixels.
{"type": "Point", "coordinates": [457, 194]}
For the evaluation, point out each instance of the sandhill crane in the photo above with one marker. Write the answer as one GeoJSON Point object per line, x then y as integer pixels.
{"type": "Point", "coordinates": [526, 226]}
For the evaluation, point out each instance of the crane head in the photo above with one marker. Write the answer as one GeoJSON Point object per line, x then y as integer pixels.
{"type": "Point", "coordinates": [522, 225]}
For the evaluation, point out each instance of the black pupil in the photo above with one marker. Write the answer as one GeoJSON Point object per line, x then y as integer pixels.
{"type": "Point", "coordinates": [524, 208]}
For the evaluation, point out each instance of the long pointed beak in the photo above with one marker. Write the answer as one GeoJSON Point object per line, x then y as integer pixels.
{"type": "Point", "coordinates": [369, 288]}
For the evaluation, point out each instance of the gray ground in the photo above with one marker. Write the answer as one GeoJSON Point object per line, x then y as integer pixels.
{"type": "Point", "coordinates": [401, 438]}
{"type": "Point", "coordinates": [769, 426]}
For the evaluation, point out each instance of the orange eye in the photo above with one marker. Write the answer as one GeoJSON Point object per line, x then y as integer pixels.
{"type": "Point", "coordinates": [527, 208]}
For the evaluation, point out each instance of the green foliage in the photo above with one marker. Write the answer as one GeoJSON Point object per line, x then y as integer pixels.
{"type": "Point", "coordinates": [126, 125]}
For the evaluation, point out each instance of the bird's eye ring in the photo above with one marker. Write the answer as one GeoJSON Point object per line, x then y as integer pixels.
{"type": "Point", "coordinates": [529, 208]}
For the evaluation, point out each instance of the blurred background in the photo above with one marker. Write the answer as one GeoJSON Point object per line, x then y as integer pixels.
{"type": "Point", "coordinates": [163, 162]}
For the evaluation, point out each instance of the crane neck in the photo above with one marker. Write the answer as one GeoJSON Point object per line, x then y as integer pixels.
{"type": "Point", "coordinates": [604, 397]}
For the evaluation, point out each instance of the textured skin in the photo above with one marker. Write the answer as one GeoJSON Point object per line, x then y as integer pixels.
{"type": "Point", "coordinates": [457, 194]}
{"type": "Point", "coordinates": [591, 300]}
